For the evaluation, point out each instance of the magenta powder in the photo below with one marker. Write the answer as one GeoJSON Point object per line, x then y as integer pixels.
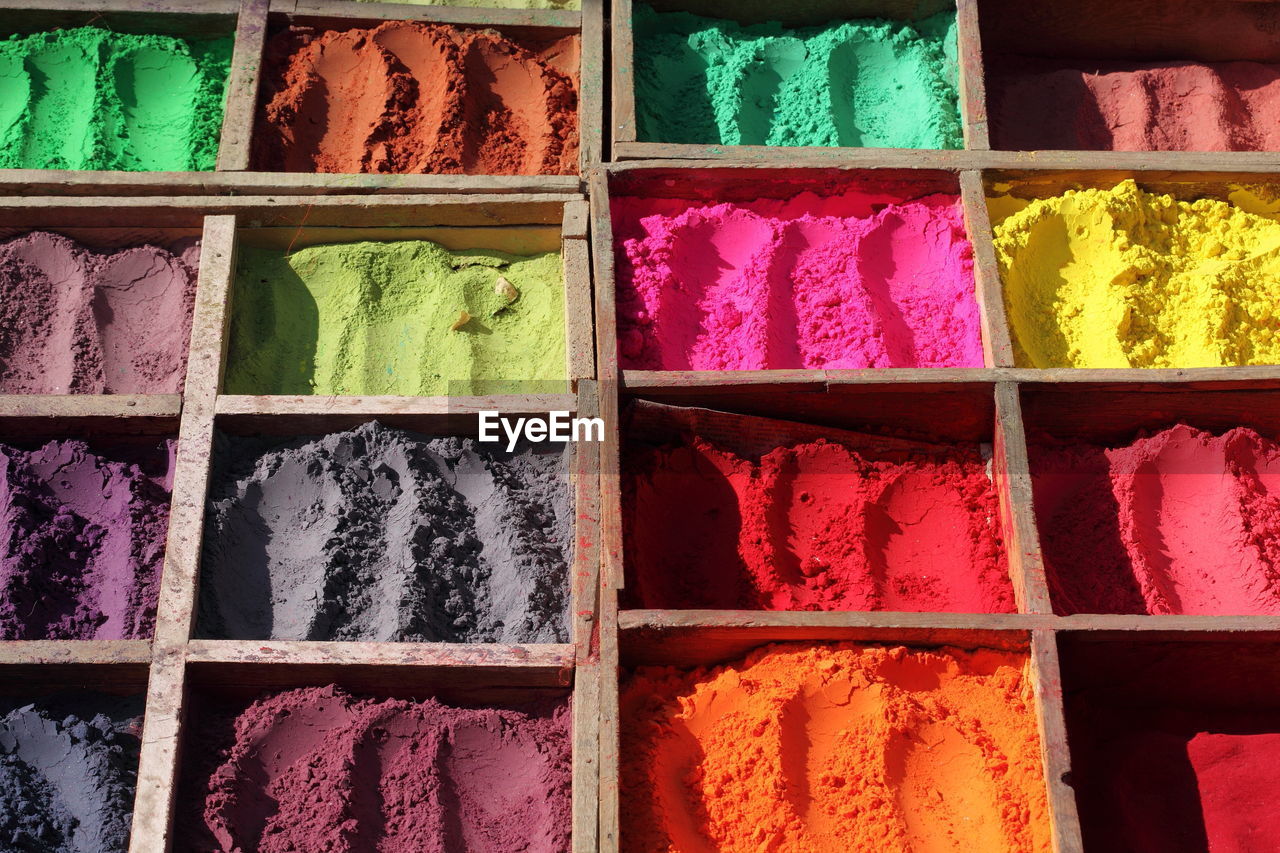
{"type": "Point", "coordinates": [83, 541]}
{"type": "Point", "coordinates": [319, 769]}
{"type": "Point", "coordinates": [809, 282]}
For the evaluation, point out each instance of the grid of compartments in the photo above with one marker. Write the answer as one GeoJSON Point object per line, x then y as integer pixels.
{"type": "Point", "coordinates": [288, 97]}
{"type": "Point", "coordinates": [1117, 648]}
{"type": "Point", "coordinates": [234, 634]}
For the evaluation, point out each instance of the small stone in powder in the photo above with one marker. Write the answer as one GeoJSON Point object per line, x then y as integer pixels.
{"type": "Point", "coordinates": [383, 535]}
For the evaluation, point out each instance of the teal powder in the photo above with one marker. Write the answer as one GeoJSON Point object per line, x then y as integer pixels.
{"type": "Point", "coordinates": [90, 98]}
{"type": "Point", "coordinates": [862, 83]}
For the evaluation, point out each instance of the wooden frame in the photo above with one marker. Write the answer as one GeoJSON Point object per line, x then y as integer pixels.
{"type": "Point", "coordinates": [250, 21]}
{"type": "Point", "coordinates": [173, 664]}
{"type": "Point", "coordinates": [625, 133]}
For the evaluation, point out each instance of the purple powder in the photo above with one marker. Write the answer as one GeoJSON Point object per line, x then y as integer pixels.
{"type": "Point", "coordinates": [83, 541]}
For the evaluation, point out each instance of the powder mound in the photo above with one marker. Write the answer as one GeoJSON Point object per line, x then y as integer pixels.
{"type": "Point", "coordinates": [83, 541]}
{"type": "Point", "coordinates": [812, 526]}
{"type": "Point", "coordinates": [409, 97]}
{"type": "Point", "coordinates": [76, 321]}
{"type": "Point", "coordinates": [862, 83]}
{"type": "Point", "coordinates": [1126, 278]}
{"type": "Point", "coordinates": [89, 98]}
{"type": "Point", "coordinates": [317, 768]}
{"type": "Point", "coordinates": [68, 770]}
{"type": "Point", "coordinates": [380, 318]}
{"type": "Point", "coordinates": [384, 535]}
{"type": "Point", "coordinates": [1181, 522]}
{"type": "Point", "coordinates": [808, 282]}
{"type": "Point", "coordinates": [834, 747]}
{"type": "Point", "coordinates": [1114, 106]}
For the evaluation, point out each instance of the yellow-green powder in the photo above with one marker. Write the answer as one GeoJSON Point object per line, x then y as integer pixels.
{"type": "Point", "coordinates": [408, 318]}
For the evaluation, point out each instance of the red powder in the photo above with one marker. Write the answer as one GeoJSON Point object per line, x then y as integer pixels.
{"type": "Point", "coordinates": [1181, 522]}
{"type": "Point", "coordinates": [812, 526]}
{"type": "Point", "coordinates": [1173, 106]}
{"type": "Point", "coordinates": [407, 97]}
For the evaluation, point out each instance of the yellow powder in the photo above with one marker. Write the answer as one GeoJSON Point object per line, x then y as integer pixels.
{"type": "Point", "coordinates": [1127, 278]}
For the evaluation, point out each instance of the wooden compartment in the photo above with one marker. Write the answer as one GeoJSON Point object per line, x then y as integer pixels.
{"type": "Point", "coordinates": [712, 180]}
{"type": "Point", "coordinates": [809, 13]}
{"type": "Point", "coordinates": [250, 20]}
{"type": "Point", "coordinates": [1134, 704]}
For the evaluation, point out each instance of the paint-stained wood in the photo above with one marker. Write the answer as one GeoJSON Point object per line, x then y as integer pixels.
{"type": "Point", "coordinates": [107, 407]}
{"type": "Point", "coordinates": [996, 346]}
{"type": "Point", "coordinates": [348, 12]}
{"type": "Point", "coordinates": [88, 654]}
{"type": "Point", "coordinates": [592, 116]}
{"type": "Point", "coordinates": [130, 184]}
{"type": "Point", "coordinates": [973, 90]}
{"type": "Point", "coordinates": [1021, 539]}
{"type": "Point", "coordinates": [158, 763]}
{"type": "Point", "coordinates": [536, 659]}
{"type": "Point", "coordinates": [585, 577]}
{"type": "Point", "coordinates": [242, 87]}
{"type": "Point", "coordinates": [622, 90]}
{"type": "Point", "coordinates": [311, 406]}
{"type": "Point", "coordinates": [579, 330]}
{"type": "Point", "coordinates": [1046, 683]}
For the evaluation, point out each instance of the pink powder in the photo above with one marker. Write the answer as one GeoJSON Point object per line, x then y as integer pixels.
{"type": "Point", "coordinates": [1181, 522]}
{"type": "Point", "coordinates": [809, 282]}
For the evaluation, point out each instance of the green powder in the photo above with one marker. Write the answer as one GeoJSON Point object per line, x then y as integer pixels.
{"type": "Point", "coordinates": [377, 318]}
{"type": "Point", "coordinates": [89, 98]}
{"type": "Point", "coordinates": [863, 83]}
{"type": "Point", "coordinates": [490, 4]}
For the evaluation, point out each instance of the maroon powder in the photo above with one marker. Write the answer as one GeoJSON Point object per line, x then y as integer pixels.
{"type": "Point", "coordinates": [319, 769]}
{"type": "Point", "coordinates": [82, 541]}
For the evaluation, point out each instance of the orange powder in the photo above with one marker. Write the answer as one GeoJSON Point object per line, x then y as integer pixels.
{"type": "Point", "coordinates": [817, 748]}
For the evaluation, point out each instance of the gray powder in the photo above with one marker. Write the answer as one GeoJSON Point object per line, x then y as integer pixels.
{"type": "Point", "coordinates": [385, 535]}
{"type": "Point", "coordinates": [68, 771]}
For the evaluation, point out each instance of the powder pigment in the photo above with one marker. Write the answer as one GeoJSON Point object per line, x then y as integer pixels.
{"type": "Point", "coordinates": [1180, 522]}
{"type": "Point", "coordinates": [809, 282]}
{"type": "Point", "coordinates": [1123, 106]}
{"type": "Point", "coordinates": [77, 321]}
{"type": "Point", "coordinates": [68, 771]}
{"type": "Point", "coordinates": [89, 98]}
{"type": "Point", "coordinates": [834, 747]}
{"type": "Point", "coordinates": [812, 526]}
{"type": "Point", "coordinates": [319, 769]}
{"type": "Point", "coordinates": [863, 83]}
{"type": "Point", "coordinates": [385, 535]}
{"type": "Point", "coordinates": [386, 318]}
{"type": "Point", "coordinates": [409, 97]}
{"type": "Point", "coordinates": [1127, 278]}
{"type": "Point", "coordinates": [83, 541]}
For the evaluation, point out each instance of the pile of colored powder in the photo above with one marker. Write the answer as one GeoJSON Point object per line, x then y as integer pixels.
{"type": "Point", "coordinates": [89, 98]}
{"type": "Point", "coordinates": [1179, 522]}
{"type": "Point", "coordinates": [82, 541]}
{"type": "Point", "coordinates": [1122, 106]}
{"type": "Point", "coordinates": [834, 747]}
{"type": "Point", "coordinates": [812, 526]}
{"type": "Point", "coordinates": [411, 97]}
{"type": "Point", "coordinates": [490, 4]}
{"type": "Point", "coordinates": [808, 282]}
{"type": "Point", "coordinates": [68, 771]}
{"type": "Point", "coordinates": [863, 83]}
{"type": "Point", "coordinates": [408, 318]}
{"type": "Point", "coordinates": [319, 769]}
{"type": "Point", "coordinates": [76, 321]}
{"type": "Point", "coordinates": [1126, 278]}
{"type": "Point", "coordinates": [379, 534]}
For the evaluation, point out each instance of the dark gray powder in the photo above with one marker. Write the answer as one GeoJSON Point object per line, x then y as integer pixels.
{"type": "Point", "coordinates": [386, 535]}
{"type": "Point", "coordinates": [68, 771]}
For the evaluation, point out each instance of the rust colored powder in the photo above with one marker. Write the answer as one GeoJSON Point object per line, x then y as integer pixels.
{"type": "Point", "coordinates": [407, 97]}
{"type": "Point", "coordinates": [813, 526]}
{"type": "Point", "coordinates": [811, 749]}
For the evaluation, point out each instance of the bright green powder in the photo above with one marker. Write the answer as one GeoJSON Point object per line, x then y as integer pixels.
{"type": "Point", "coordinates": [377, 318]}
{"type": "Point", "coordinates": [490, 4]}
{"type": "Point", "coordinates": [89, 98]}
{"type": "Point", "coordinates": [863, 83]}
